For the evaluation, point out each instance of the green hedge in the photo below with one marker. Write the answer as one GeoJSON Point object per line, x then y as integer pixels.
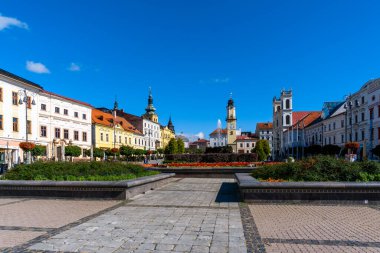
{"type": "Point", "coordinates": [321, 168]}
{"type": "Point", "coordinates": [79, 171]}
{"type": "Point", "coordinates": [212, 158]}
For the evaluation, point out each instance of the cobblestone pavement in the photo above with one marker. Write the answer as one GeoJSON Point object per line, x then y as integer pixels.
{"type": "Point", "coordinates": [189, 215]}
{"type": "Point", "coordinates": [22, 220]}
{"type": "Point", "coordinates": [317, 228]}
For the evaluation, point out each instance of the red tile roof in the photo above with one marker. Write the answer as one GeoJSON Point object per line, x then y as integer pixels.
{"type": "Point", "coordinates": [264, 126]}
{"type": "Point", "coordinates": [304, 118]}
{"type": "Point", "coordinates": [222, 131]}
{"type": "Point", "coordinates": [66, 98]}
{"type": "Point", "coordinates": [106, 119]}
{"type": "Point", "coordinates": [244, 138]}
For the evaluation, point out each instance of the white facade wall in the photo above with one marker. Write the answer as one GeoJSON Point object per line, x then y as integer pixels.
{"type": "Point", "coordinates": [266, 135]}
{"type": "Point", "coordinates": [152, 134]}
{"type": "Point", "coordinates": [10, 152]}
{"type": "Point", "coordinates": [334, 130]}
{"type": "Point", "coordinates": [215, 141]}
{"type": "Point", "coordinates": [72, 116]}
{"type": "Point", "coordinates": [245, 146]}
{"type": "Point", "coordinates": [313, 134]}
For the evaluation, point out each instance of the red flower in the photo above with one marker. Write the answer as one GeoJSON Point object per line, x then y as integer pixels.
{"type": "Point", "coordinates": [114, 150]}
{"type": "Point", "coordinates": [27, 146]}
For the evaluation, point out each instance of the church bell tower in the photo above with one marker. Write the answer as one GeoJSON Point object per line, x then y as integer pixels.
{"type": "Point", "coordinates": [231, 122]}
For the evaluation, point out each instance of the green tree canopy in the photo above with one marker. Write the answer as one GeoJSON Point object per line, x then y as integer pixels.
{"type": "Point", "coordinates": [172, 147]}
{"type": "Point", "coordinates": [126, 150]}
{"type": "Point", "coordinates": [180, 146]}
{"type": "Point", "coordinates": [262, 150]}
{"type": "Point", "coordinates": [72, 150]}
{"type": "Point", "coordinates": [39, 150]}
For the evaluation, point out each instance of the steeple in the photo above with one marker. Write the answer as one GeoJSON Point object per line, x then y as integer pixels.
{"type": "Point", "coordinates": [150, 111]}
{"type": "Point", "coordinates": [115, 105]}
{"type": "Point", "coordinates": [230, 101]}
{"type": "Point", "coordinates": [170, 124]}
{"type": "Point", "coordinates": [150, 108]}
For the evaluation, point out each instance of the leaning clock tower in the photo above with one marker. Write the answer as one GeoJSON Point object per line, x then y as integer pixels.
{"type": "Point", "coordinates": [231, 122]}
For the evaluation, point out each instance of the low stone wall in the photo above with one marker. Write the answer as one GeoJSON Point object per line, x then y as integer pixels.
{"type": "Point", "coordinates": [253, 190]}
{"type": "Point", "coordinates": [84, 189]}
{"type": "Point", "coordinates": [219, 172]}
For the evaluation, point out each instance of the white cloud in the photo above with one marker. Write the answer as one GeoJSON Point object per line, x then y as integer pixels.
{"type": "Point", "coordinates": [200, 135]}
{"type": "Point", "coordinates": [7, 22]}
{"type": "Point", "coordinates": [74, 67]}
{"type": "Point", "coordinates": [37, 67]}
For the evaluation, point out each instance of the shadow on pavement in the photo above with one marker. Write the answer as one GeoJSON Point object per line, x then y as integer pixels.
{"type": "Point", "coordinates": [228, 192]}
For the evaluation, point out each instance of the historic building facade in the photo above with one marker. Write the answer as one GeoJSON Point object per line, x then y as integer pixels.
{"type": "Point", "coordinates": [18, 116]}
{"type": "Point", "coordinates": [245, 144]}
{"type": "Point", "coordinates": [264, 131]}
{"type": "Point", "coordinates": [111, 131]}
{"type": "Point", "coordinates": [167, 133]}
{"type": "Point", "coordinates": [63, 121]}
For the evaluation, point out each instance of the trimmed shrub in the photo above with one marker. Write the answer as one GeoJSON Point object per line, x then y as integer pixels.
{"type": "Point", "coordinates": [212, 158]}
{"type": "Point", "coordinates": [79, 171]}
{"type": "Point", "coordinates": [320, 168]}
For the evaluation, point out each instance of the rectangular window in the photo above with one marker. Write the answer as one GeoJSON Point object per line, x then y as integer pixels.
{"type": "Point", "coordinates": [107, 139]}
{"type": "Point", "coordinates": [76, 114]}
{"type": "Point", "coordinates": [65, 112]}
{"type": "Point", "coordinates": [130, 141]}
{"type": "Point", "coordinates": [334, 125]}
{"type": "Point", "coordinates": [66, 134]}
{"type": "Point", "coordinates": [84, 136]}
{"type": "Point", "coordinates": [356, 136]}
{"type": "Point", "coordinates": [119, 139]}
{"type": "Point", "coordinates": [15, 124]}
{"type": "Point", "coordinates": [241, 145]}
{"type": "Point", "coordinates": [350, 137]}
{"type": "Point", "coordinates": [76, 135]}
{"type": "Point", "coordinates": [56, 110]}
{"type": "Point", "coordinates": [342, 138]}
{"type": "Point", "coordinates": [247, 145]}
{"type": "Point", "coordinates": [371, 113]}
{"type": "Point", "coordinates": [342, 123]}
{"type": "Point", "coordinates": [363, 136]}
{"type": "Point", "coordinates": [350, 121]}
{"type": "Point", "coordinates": [363, 116]}
{"type": "Point", "coordinates": [43, 131]}
{"type": "Point", "coordinates": [372, 134]}
{"type": "Point", "coordinates": [1, 94]}
{"type": "Point", "coordinates": [29, 126]}
{"type": "Point", "coordinates": [378, 111]}
{"type": "Point", "coordinates": [363, 100]}
{"type": "Point", "coordinates": [101, 136]}
{"type": "Point", "coordinates": [43, 107]}
{"type": "Point", "coordinates": [1, 122]}
{"type": "Point", "coordinates": [378, 133]}
{"type": "Point", "coordinates": [84, 116]}
{"type": "Point", "coordinates": [57, 133]}
{"type": "Point", "coordinates": [14, 98]}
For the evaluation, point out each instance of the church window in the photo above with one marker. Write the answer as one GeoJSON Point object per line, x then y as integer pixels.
{"type": "Point", "coordinates": [287, 104]}
{"type": "Point", "coordinates": [287, 119]}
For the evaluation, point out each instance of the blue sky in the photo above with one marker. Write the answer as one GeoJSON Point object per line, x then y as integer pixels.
{"type": "Point", "coordinates": [193, 53]}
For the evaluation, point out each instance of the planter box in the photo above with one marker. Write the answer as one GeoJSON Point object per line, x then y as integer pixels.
{"type": "Point", "coordinates": [84, 189]}
{"type": "Point", "coordinates": [254, 190]}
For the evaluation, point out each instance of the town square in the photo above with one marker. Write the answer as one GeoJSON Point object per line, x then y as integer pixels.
{"type": "Point", "coordinates": [189, 126]}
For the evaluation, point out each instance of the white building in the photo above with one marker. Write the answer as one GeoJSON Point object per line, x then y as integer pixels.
{"type": "Point", "coordinates": [264, 131]}
{"type": "Point", "coordinates": [13, 118]}
{"type": "Point", "coordinates": [218, 138]}
{"type": "Point", "coordinates": [63, 121]}
{"type": "Point", "coordinates": [245, 144]}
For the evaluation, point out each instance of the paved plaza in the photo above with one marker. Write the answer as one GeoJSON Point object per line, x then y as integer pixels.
{"type": "Point", "coordinates": [188, 215]}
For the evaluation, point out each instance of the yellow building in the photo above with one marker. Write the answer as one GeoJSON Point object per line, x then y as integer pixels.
{"type": "Point", "coordinates": [107, 134]}
{"type": "Point", "coordinates": [167, 133]}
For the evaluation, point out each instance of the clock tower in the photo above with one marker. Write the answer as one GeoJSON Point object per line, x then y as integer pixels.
{"type": "Point", "coordinates": [231, 122]}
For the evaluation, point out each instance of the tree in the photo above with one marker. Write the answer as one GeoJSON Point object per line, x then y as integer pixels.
{"type": "Point", "coordinates": [262, 150]}
{"type": "Point", "coordinates": [126, 150]}
{"type": "Point", "coordinates": [39, 150]}
{"type": "Point", "coordinates": [313, 150]}
{"type": "Point", "coordinates": [180, 146]}
{"type": "Point", "coordinates": [73, 151]}
{"type": "Point", "coordinates": [97, 152]}
{"type": "Point", "coordinates": [172, 147]}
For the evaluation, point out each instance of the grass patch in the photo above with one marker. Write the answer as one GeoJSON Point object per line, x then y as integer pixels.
{"type": "Point", "coordinates": [321, 168]}
{"type": "Point", "coordinates": [78, 171]}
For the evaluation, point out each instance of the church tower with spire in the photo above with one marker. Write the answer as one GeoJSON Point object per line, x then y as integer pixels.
{"type": "Point", "coordinates": [150, 111]}
{"type": "Point", "coordinates": [170, 125]}
{"type": "Point", "coordinates": [231, 122]}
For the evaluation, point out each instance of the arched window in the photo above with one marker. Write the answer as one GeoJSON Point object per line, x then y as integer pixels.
{"type": "Point", "coordinates": [278, 108]}
{"type": "Point", "coordinates": [287, 104]}
{"type": "Point", "coordinates": [287, 119]}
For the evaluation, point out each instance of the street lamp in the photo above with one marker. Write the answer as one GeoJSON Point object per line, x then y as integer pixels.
{"type": "Point", "coordinates": [24, 98]}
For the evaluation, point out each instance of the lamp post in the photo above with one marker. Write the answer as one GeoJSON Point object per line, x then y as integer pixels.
{"type": "Point", "coordinates": [24, 99]}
